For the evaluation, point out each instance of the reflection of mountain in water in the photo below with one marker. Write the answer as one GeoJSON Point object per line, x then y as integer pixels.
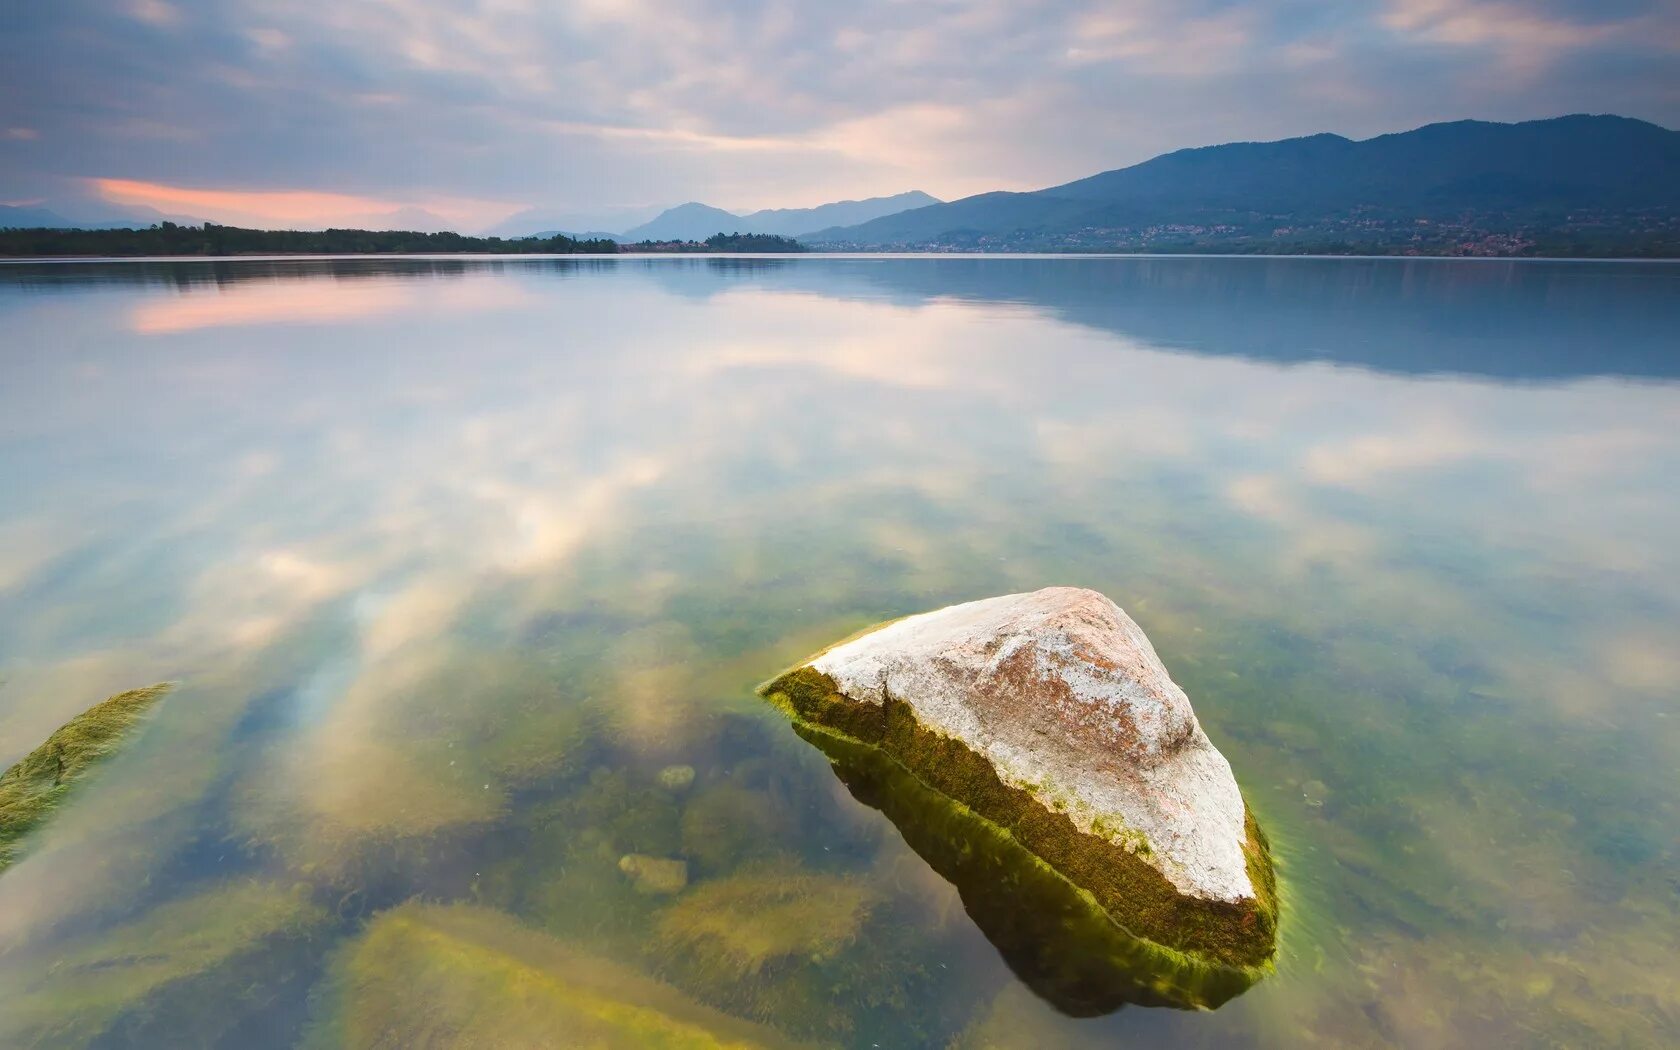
{"type": "Point", "coordinates": [1525, 320]}
{"type": "Point", "coordinates": [1059, 943]}
{"type": "Point", "coordinates": [1534, 320]}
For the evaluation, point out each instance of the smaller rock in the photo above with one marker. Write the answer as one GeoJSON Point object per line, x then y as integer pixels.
{"type": "Point", "coordinates": [676, 778]}
{"type": "Point", "coordinates": [656, 876]}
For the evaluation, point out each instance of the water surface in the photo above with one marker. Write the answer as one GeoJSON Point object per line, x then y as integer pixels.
{"type": "Point", "coordinates": [452, 558]}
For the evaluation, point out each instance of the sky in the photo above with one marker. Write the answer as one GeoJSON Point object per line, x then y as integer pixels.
{"type": "Point", "coordinates": [463, 113]}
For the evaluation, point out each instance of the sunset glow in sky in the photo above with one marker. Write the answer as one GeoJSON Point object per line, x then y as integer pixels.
{"type": "Point", "coordinates": [459, 113]}
{"type": "Point", "coordinates": [293, 208]}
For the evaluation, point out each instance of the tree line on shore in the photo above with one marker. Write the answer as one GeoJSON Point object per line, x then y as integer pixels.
{"type": "Point", "coordinates": [170, 238]}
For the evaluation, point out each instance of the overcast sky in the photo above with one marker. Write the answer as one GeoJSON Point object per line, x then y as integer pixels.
{"type": "Point", "coordinates": [342, 111]}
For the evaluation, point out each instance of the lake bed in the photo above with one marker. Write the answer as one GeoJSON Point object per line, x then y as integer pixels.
{"type": "Point", "coordinates": [454, 560]}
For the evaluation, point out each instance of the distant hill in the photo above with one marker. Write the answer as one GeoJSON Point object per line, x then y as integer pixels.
{"type": "Point", "coordinates": [25, 218]}
{"type": "Point", "coordinates": [695, 222]}
{"type": "Point", "coordinates": [580, 235]}
{"type": "Point", "coordinates": [411, 218]}
{"type": "Point", "coordinates": [542, 221]}
{"type": "Point", "coordinates": [686, 222]}
{"type": "Point", "coordinates": [1580, 182]}
{"type": "Point", "coordinates": [793, 222]}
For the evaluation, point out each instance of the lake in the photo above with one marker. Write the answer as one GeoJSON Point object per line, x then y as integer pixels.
{"type": "Point", "coordinates": [466, 570]}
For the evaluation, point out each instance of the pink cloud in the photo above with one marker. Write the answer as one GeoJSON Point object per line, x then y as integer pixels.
{"type": "Point", "coordinates": [296, 208]}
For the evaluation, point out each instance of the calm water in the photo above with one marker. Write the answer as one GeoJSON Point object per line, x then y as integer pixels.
{"type": "Point", "coordinates": [453, 559]}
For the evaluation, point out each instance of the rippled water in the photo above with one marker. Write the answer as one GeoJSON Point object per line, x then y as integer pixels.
{"type": "Point", "coordinates": [457, 563]}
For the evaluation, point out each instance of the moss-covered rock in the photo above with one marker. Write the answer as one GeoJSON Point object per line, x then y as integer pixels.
{"type": "Point", "coordinates": [1053, 935]}
{"type": "Point", "coordinates": [40, 781]}
{"type": "Point", "coordinates": [460, 976]}
{"type": "Point", "coordinates": [1049, 715]}
{"type": "Point", "coordinates": [762, 916]}
{"type": "Point", "coordinates": [656, 876]}
{"type": "Point", "coordinates": [818, 954]}
{"type": "Point", "coordinates": [115, 980]}
{"type": "Point", "coordinates": [726, 824]}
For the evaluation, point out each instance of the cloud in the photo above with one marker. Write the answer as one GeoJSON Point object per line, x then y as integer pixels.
{"type": "Point", "coordinates": [1527, 38]}
{"type": "Point", "coordinates": [293, 208]}
{"type": "Point", "coordinates": [258, 304]}
{"type": "Point", "coordinates": [786, 103]}
{"type": "Point", "coordinates": [314, 300]}
{"type": "Point", "coordinates": [154, 12]}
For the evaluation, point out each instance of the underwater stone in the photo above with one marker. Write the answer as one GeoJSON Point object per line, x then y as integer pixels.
{"type": "Point", "coordinates": [767, 915]}
{"type": "Point", "coordinates": [676, 778]}
{"type": "Point", "coordinates": [1050, 715]}
{"type": "Point", "coordinates": [657, 876]}
{"type": "Point", "coordinates": [206, 948]}
{"type": "Point", "coordinates": [459, 976]}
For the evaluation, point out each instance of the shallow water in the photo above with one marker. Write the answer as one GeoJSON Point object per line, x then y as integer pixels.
{"type": "Point", "coordinates": [452, 558]}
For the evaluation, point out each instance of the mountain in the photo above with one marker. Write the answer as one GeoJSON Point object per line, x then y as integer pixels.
{"type": "Point", "coordinates": [686, 222]}
{"type": "Point", "coordinates": [696, 222]}
{"type": "Point", "coordinates": [31, 218]}
{"type": "Point", "coordinates": [1580, 180]}
{"type": "Point", "coordinates": [17, 217]}
{"type": "Point", "coordinates": [410, 219]}
{"type": "Point", "coordinates": [576, 235]}
{"type": "Point", "coordinates": [792, 222]}
{"type": "Point", "coordinates": [538, 221]}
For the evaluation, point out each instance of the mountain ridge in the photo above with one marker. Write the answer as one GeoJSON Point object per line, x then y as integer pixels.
{"type": "Point", "coordinates": [696, 221]}
{"type": "Point", "coordinates": [1578, 175]}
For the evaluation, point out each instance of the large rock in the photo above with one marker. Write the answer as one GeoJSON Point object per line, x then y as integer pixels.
{"type": "Point", "coordinates": [1050, 715]}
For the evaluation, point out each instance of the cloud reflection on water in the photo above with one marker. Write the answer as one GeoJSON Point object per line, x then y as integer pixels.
{"type": "Point", "coordinates": [488, 449]}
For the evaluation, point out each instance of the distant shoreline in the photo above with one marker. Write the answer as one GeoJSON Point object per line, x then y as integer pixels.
{"type": "Point", "coordinates": [211, 239]}
{"type": "Point", "coordinates": [817, 254]}
{"type": "Point", "coordinates": [169, 240]}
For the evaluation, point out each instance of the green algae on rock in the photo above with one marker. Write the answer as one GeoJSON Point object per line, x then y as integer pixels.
{"type": "Point", "coordinates": [1054, 936]}
{"type": "Point", "coordinates": [676, 778]}
{"type": "Point", "coordinates": [114, 981]}
{"type": "Point", "coordinates": [763, 916]}
{"type": "Point", "coordinates": [655, 876]}
{"type": "Point", "coordinates": [783, 943]}
{"type": "Point", "coordinates": [462, 976]}
{"type": "Point", "coordinates": [39, 782]}
{"type": "Point", "coordinates": [1049, 715]}
{"type": "Point", "coordinates": [727, 824]}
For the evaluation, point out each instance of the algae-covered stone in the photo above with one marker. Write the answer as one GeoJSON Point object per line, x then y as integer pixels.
{"type": "Point", "coordinates": [1054, 937]}
{"type": "Point", "coordinates": [1050, 715]}
{"type": "Point", "coordinates": [726, 824]}
{"type": "Point", "coordinates": [461, 976]}
{"type": "Point", "coordinates": [658, 876]}
{"type": "Point", "coordinates": [755, 919]}
{"type": "Point", "coordinates": [676, 778]}
{"type": "Point", "coordinates": [39, 781]}
{"type": "Point", "coordinates": [115, 979]}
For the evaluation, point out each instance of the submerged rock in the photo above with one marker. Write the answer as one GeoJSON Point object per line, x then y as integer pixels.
{"type": "Point", "coordinates": [657, 876]}
{"type": "Point", "coordinates": [178, 975]}
{"type": "Point", "coordinates": [1050, 715]}
{"type": "Point", "coordinates": [1053, 937]}
{"type": "Point", "coordinates": [39, 782]}
{"type": "Point", "coordinates": [461, 976]}
{"type": "Point", "coordinates": [676, 778]}
{"type": "Point", "coordinates": [762, 917]}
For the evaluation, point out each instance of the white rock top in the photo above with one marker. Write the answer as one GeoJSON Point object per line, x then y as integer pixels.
{"type": "Point", "coordinates": [1066, 698]}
